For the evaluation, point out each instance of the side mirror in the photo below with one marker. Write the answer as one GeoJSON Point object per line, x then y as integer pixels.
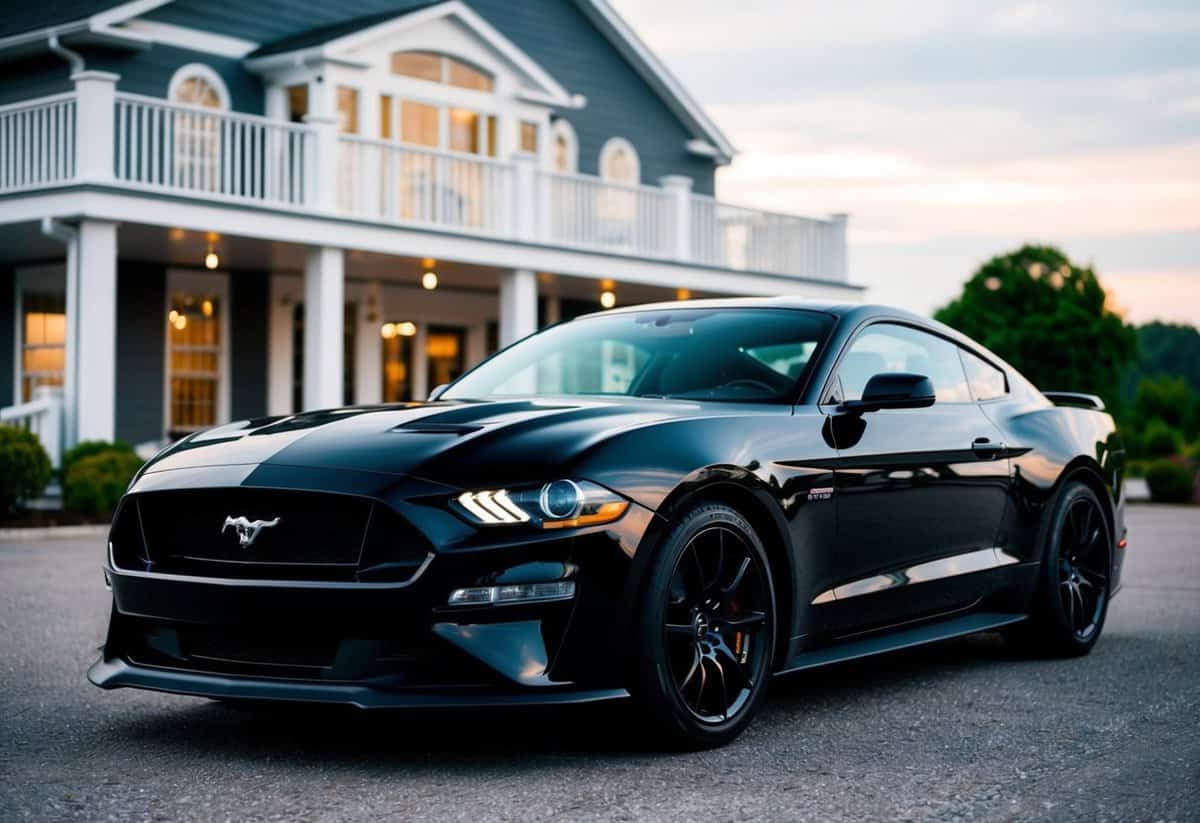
{"type": "Point", "coordinates": [893, 390]}
{"type": "Point", "coordinates": [437, 391]}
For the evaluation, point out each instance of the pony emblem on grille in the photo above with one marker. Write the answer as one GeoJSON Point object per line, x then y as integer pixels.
{"type": "Point", "coordinates": [247, 530]}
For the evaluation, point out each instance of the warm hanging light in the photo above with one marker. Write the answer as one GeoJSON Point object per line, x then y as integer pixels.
{"type": "Point", "coordinates": [388, 330]}
{"type": "Point", "coordinates": [211, 260]}
{"type": "Point", "coordinates": [180, 322]}
{"type": "Point", "coordinates": [429, 280]}
{"type": "Point", "coordinates": [206, 307]}
{"type": "Point", "coordinates": [406, 329]}
{"type": "Point", "coordinates": [608, 299]}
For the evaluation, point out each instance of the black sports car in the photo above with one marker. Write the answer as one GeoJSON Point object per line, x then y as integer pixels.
{"type": "Point", "coordinates": [673, 502]}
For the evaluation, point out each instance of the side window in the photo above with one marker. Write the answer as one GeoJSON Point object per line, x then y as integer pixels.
{"type": "Point", "coordinates": [987, 381]}
{"type": "Point", "coordinates": [886, 347]}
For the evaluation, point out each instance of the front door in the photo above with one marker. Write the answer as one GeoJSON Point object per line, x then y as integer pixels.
{"type": "Point", "coordinates": [919, 497]}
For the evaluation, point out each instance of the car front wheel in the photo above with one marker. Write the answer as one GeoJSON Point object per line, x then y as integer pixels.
{"type": "Point", "coordinates": [706, 630]}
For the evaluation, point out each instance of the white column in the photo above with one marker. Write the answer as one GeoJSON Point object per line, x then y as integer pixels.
{"type": "Point", "coordinates": [518, 305]}
{"type": "Point", "coordinates": [838, 256]}
{"type": "Point", "coordinates": [96, 389]}
{"type": "Point", "coordinates": [680, 189]}
{"type": "Point", "coordinates": [95, 121]}
{"type": "Point", "coordinates": [324, 290]}
{"type": "Point", "coordinates": [368, 357]}
{"type": "Point", "coordinates": [527, 207]}
{"type": "Point", "coordinates": [282, 314]}
{"type": "Point", "coordinates": [321, 185]}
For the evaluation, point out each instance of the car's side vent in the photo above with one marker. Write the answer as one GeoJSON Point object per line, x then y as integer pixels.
{"type": "Point", "coordinates": [1075, 399]}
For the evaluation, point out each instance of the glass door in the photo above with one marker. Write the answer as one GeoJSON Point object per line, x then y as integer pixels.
{"type": "Point", "coordinates": [197, 351]}
{"type": "Point", "coordinates": [445, 353]}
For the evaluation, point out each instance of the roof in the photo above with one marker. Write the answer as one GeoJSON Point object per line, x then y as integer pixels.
{"type": "Point", "coordinates": [49, 13]}
{"type": "Point", "coordinates": [324, 34]}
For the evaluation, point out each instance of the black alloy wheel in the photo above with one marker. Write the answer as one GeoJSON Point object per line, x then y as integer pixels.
{"type": "Point", "coordinates": [1083, 565]}
{"type": "Point", "coordinates": [708, 629]}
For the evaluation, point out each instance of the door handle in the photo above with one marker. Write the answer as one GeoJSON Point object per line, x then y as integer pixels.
{"type": "Point", "coordinates": [986, 449]}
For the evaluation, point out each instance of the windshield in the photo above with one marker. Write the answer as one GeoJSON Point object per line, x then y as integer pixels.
{"type": "Point", "coordinates": [695, 354]}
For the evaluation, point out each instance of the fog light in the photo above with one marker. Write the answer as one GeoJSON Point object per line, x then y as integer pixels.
{"type": "Point", "coordinates": [513, 593]}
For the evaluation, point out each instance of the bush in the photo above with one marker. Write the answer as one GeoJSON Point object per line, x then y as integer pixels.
{"type": "Point", "coordinates": [24, 467]}
{"type": "Point", "coordinates": [1171, 482]}
{"type": "Point", "coordinates": [1159, 439]}
{"type": "Point", "coordinates": [94, 484]}
{"type": "Point", "coordinates": [89, 447]}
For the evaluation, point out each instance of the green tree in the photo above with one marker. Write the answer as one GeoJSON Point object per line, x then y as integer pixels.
{"type": "Point", "coordinates": [1165, 348]}
{"type": "Point", "coordinates": [1047, 317]}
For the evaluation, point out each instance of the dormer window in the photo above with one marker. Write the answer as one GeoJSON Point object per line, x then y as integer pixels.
{"type": "Point", "coordinates": [441, 68]}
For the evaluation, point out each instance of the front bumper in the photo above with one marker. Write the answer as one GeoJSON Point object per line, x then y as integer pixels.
{"type": "Point", "coordinates": [384, 645]}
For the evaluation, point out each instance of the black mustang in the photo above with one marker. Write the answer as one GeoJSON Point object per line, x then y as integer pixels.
{"type": "Point", "coordinates": [672, 502]}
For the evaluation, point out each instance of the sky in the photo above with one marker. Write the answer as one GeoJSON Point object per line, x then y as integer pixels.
{"type": "Point", "coordinates": [954, 131]}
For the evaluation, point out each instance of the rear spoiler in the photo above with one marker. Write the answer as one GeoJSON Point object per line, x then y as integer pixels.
{"type": "Point", "coordinates": [1076, 399]}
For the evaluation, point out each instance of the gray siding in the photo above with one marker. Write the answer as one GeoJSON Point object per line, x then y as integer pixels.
{"type": "Point", "coordinates": [249, 295]}
{"type": "Point", "coordinates": [8, 326]}
{"type": "Point", "coordinates": [141, 298]}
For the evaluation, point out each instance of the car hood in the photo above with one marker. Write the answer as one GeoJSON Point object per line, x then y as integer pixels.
{"type": "Point", "coordinates": [456, 443]}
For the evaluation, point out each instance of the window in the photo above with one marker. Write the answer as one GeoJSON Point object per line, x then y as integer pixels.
{"type": "Point", "coordinates": [566, 147]}
{"type": "Point", "coordinates": [723, 355]}
{"type": "Point", "coordinates": [397, 355]}
{"type": "Point", "coordinates": [197, 135]}
{"type": "Point", "coordinates": [445, 348]}
{"type": "Point", "coordinates": [43, 342]}
{"type": "Point", "coordinates": [529, 137]}
{"type": "Point", "coordinates": [885, 347]}
{"type": "Point", "coordinates": [464, 131]}
{"type": "Point", "coordinates": [419, 123]}
{"type": "Point", "coordinates": [196, 346]}
{"type": "Point", "coordinates": [440, 68]}
{"type": "Point", "coordinates": [385, 116]}
{"type": "Point", "coordinates": [297, 103]}
{"type": "Point", "coordinates": [987, 381]}
{"type": "Point", "coordinates": [347, 103]}
{"type": "Point", "coordinates": [619, 162]}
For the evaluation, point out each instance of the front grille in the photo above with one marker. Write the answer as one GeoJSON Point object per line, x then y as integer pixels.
{"type": "Point", "coordinates": [314, 536]}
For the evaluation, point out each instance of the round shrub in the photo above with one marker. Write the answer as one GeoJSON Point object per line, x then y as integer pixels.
{"type": "Point", "coordinates": [1159, 439]}
{"type": "Point", "coordinates": [1171, 482]}
{"type": "Point", "coordinates": [94, 484]}
{"type": "Point", "coordinates": [89, 447]}
{"type": "Point", "coordinates": [24, 467]}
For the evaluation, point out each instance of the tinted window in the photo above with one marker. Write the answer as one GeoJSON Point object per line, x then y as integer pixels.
{"type": "Point", "coordinates": [987, 381]}
{"type": "Point", "coordinates": [695, 354]}
{"type": "Point", "coordinates": [889, 348]}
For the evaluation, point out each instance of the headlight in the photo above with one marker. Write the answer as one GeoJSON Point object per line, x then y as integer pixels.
{"type": "Point", "coordinates": [561, 504]}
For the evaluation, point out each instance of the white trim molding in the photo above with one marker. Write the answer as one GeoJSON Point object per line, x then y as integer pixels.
{"type": "Point", "coordinates": [191, 39]}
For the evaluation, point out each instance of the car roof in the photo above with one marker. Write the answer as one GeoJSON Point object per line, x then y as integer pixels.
{"type": "Point", "coordinates": [838, 308]}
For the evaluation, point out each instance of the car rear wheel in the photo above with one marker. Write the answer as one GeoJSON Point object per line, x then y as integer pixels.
{"type": "Point", "coordinates": [706, 630]}
{"type": "Point", "coordinates": [1071, 602]}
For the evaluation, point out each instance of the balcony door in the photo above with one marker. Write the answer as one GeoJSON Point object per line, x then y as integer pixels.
{"type": "Point", "coordinates": [197, 332]}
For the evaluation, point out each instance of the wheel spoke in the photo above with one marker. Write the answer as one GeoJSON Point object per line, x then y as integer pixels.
{"type": "Point", "coordinates": [1069, 602]}
{"type": "Point", "coordinates": [691, 672]}
{"type": "Point", "coordinates": [720, 679]}
{"type": "Point", "coordinates": [1081, 617]}
{"type": "Point", "coordinates": [680, 628]}
{"type": "Point", "coordinates": [734, 666]}
{"type": "Point", "coordinates": [1093, 577]}
{"type": "Point", "coordinates": [746, 620]}
{"type": "Point", "coordinates": [738, 577]}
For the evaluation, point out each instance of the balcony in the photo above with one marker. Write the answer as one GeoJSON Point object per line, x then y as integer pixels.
{"type": "Point", "coordinates": [98, 135]}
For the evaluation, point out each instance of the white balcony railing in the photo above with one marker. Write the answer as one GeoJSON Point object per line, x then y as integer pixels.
{"type": "Point", "coordinates": [590, 212]}
{"type": "Point", "coordinates": [735, 237]}
{"type": "Point", "coordinates": [97, 135]}
{"type": "Point", "coordinates": [37, 143]}
{"type": "Point", "coordinates": [394, 183]}
{"type": "Point", "coordinates": [214, 153]}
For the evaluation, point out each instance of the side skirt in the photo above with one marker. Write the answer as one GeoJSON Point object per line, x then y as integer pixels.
{"type": "Point", "coordinates": [903, 639]}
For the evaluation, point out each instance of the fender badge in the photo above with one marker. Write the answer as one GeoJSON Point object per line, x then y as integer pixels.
{"type": "Point", "coordinates": [820, 493]}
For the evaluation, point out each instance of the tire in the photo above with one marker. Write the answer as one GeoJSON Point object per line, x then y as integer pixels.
{"type": "Point", "coordinates": [705, 633]}
{"type": "Point", "coordinates": [1070, 603]}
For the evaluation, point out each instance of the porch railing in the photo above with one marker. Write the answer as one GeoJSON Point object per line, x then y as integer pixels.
{"type": "Point", "coordinates": [595, 213]}
{"type": "Point", "coordinates": [214, 153]}
{"type": "Point", "coordinates": [43, 415]}
{"type": "Point", "coordinates": [394, 183]}
{"type": "Point", "coordinates": [97, 135]}
{"type": "Point", "coordinates": [736, 237]}
{"type": "Point", "coordinates": [37, 143]}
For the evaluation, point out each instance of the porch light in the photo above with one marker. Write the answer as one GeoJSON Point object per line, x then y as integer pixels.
{"type": "Point", "coordinates": [608, 299]}
{"type": "Point", "coordinates": [388, 331]}
{"type": "Point", "coordinates": [429, 280]}
{"type": "Point", "coordinates": [406, 329]}
{"type": "Point", "coordinates": [206, 307]}
{"type": "Point", "coordinates": [211, 260]}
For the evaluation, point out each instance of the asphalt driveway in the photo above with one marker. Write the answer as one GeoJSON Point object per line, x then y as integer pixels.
{"type": "Point", "coordinates": [958, 731]}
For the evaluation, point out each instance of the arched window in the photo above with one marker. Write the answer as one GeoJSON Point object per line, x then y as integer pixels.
{"type": "Point", "coordinates": [197, 136]}
{"type": "Point", "coordinates": [619, 162]}
{"type": "Point", "coordinates": [564, 147]}
{"type": "Point", "coordinates": [198, 85]}
{"type": "Point", "coordinates": [441, 68]}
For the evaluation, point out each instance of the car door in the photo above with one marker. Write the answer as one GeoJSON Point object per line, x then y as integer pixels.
{"type": "Point", "coordinates": [920, 492]}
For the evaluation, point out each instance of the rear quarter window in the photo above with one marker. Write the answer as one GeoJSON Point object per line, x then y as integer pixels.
{"type": "Point", "coordinates": [987, 382]}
